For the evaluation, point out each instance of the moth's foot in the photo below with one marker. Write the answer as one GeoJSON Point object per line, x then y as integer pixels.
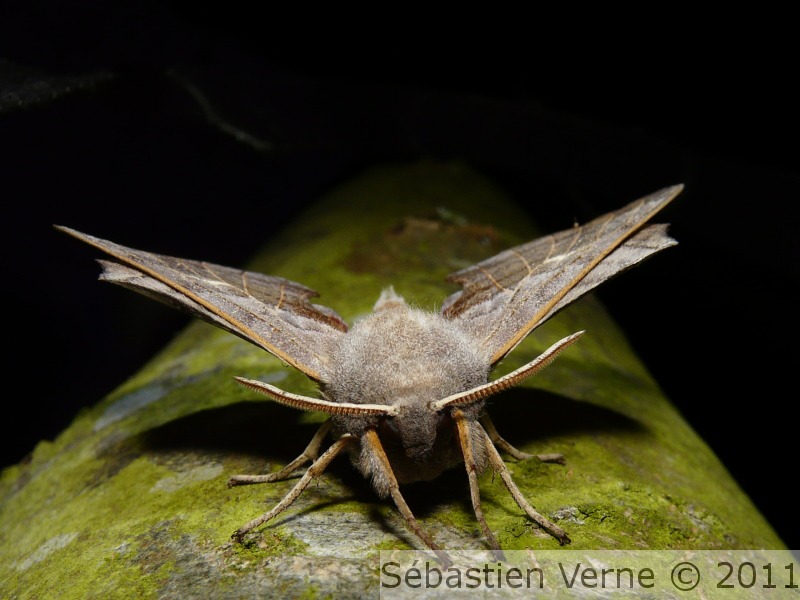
{"type": "Point", "coordinates": [499, 555]}
{"type": "Point", "coordinates": [241, 536]}
{"type": "Point", "coordinates": [551, 458]}
{"type": "Point", "coordinates": [556, 532]}
{"type": "Point", "coordinates": [251, 479]}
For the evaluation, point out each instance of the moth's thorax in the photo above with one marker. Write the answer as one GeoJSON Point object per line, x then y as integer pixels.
{"type": "Point", "coordinates": [404, 356]}
{"type": "Point", "coordinates": [407, 358]}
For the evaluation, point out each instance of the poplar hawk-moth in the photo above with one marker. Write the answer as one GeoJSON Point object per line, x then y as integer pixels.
{"type": "Point", "coordinates": [404, 388]}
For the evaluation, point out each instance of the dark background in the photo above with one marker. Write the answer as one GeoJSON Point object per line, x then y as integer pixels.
{"type": "Point", "coordinates": [99, 130]}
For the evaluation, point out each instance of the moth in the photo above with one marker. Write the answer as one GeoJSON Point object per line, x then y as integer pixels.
{"type": "Point", "coordinates": [404, 389]}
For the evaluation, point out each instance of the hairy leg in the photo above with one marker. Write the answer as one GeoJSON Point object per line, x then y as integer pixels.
{"type": "Point", "coordinates": [498, 465]}
{"type": "Point", "coordinates": [385, 471]}
{"type": "Point", "coordinates": [465, 426]}
{"type": "Point", "coordinates": [310, 454]}
{"type": "Point", "coordinates": [501, 443]}
{"type": "Point", "coordinates": [314, 471]}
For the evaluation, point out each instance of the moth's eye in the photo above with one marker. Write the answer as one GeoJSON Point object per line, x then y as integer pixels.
{"type": "Point", "coordinates": [445, 421]}
{"type": "Point", "coordinates": [388, 426]}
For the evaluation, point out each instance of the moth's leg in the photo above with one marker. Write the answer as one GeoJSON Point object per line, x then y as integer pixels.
{"type": "Point", "coordinates": [465, 439]}
{"type": "Point", "coordinates": [370, 437]}
{"type": "Point", "coordinates": [501, 443]}
{"type": "Point", "coordinates": [498, 465]}
{"type": "Point", "coordinates": [314, 471]}
{"type": "Point", "coordinates": [310, 454]}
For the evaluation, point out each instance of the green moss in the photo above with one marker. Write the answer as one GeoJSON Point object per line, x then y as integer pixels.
{"type": "Point", "coordinates": [130, 501]}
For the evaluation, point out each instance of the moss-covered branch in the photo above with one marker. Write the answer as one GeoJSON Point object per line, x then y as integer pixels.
{"type": "Point", "coordinates": [131, 500]}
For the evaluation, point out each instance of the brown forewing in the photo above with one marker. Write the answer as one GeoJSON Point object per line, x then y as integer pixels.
{"type": "Point", "coordinates": [505, 297]}
{"type": "Point", "coordinates": [271, 312]}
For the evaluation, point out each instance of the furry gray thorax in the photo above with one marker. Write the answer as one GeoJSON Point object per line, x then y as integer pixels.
{"type": "Point", "coordinates": [407, 358]}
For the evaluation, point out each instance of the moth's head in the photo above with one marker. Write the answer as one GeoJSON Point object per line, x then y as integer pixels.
{"type": "Point", "coordinates": [415, 428]}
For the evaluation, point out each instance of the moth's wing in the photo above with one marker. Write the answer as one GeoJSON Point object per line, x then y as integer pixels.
{"type": "Point", "coordinates": [271, 312]}
{"type": "Point", "coordinates": [505, 297]}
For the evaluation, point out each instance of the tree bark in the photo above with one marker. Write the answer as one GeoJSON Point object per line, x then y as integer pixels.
{"type": "Point", "coordinates": [131, 500]}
